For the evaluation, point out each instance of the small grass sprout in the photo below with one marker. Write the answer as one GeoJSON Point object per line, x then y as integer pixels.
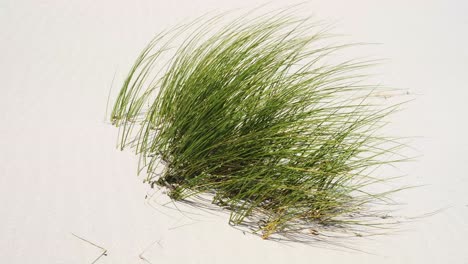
{"type": "Point", "coordinates": [255, 115]}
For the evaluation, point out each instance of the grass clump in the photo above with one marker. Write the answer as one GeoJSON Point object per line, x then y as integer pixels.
{"type": "Point", "coordinates": [255, 114]}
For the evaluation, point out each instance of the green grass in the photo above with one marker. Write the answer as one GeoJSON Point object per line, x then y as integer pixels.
{"type": "Point", "coordinates": [254, 114]}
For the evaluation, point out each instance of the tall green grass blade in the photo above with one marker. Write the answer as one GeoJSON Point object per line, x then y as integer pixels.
{"type": "Point", "coordinates": [256, 115]}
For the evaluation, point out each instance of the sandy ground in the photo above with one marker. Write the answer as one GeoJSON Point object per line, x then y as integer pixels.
{"type": "Point", "coordinates": [61, 174]}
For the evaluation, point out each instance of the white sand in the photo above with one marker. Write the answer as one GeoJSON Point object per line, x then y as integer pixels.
{"type": "Point", "coordinates": [60, 172]}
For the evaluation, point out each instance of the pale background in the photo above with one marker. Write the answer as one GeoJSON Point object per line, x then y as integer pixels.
{"type": "Point", "coordinates": [60, 172]}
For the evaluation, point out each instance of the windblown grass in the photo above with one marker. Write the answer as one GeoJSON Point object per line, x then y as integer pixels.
{"type": "Point", "coordinates": [256, 115]}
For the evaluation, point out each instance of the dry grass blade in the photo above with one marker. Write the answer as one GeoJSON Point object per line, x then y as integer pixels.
{"type": "Point", "coordinates": [103, 253]}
